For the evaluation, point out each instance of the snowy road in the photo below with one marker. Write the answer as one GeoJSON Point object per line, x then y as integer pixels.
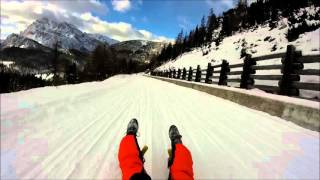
{"type": "Point", "coordinates": [74, 132]}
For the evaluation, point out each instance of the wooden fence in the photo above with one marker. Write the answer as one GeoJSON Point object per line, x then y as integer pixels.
{"type": "Point", "coordinates": [291, 67]}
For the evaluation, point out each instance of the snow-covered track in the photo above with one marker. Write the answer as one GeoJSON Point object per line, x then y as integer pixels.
{"type": "Point", "coordinates": [73, 132]}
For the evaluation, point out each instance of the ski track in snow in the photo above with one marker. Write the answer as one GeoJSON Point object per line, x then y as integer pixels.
{"type": "Point", "coordinates": [73, 132]}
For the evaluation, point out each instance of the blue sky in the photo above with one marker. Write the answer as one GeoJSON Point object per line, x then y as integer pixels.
{"type": "Point", "coordinates": [167, 17]}
{"type": "Point", "coordinates": [158, 20]}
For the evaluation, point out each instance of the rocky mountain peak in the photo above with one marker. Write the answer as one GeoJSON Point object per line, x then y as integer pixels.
{"type": "Point", "coordinates": [47, 32]}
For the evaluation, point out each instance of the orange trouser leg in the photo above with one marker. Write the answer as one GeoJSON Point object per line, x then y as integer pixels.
{"type": "Point", "coordinates": [181, 167]}
{"type": "Point", "coordinates": [129, 160]}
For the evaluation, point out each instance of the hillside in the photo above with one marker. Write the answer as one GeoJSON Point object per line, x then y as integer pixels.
{"type": "Point", "coordinates": [33, 48]}
{"type": "Point", "coordinates": [16, 40]}
{"type": "Point", "coordinates": [137, 50]}
{"type": "Point", "coordinates": [260, 40]}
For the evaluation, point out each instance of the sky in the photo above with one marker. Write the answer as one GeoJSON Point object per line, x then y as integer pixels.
{"type": "Point", "coordinates": [157, 20]}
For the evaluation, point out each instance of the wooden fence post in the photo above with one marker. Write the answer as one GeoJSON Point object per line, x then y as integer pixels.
{"type": "Point", "coordinates": [198, 74]}
{"type": "Point", "coordinates": [246, 81]}
{"type": "Point", "coordinates": [179, 73]}
{"type": "Point", "coordinates": [184, 72]}
{"type": "Point", "coordinates": [209, 74]}
{"type": "Point", "coordinates": [223, 73]}
{"type": "Point", "coordinates": [290, 66]}
{"type": "Point", "coordinates": [190, 74]}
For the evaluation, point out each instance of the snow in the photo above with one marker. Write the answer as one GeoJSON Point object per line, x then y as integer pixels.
{"type": "Point", "coordinates": [143, 43]}
{"type": "Point", "coordinates": [253, 40]}
{"type": "Point", "coordinates": [258, 42]}
{"type": "Point", "coordinates": [7, 63]}
{"type": "Point", "coordinates": [45, 76]}
{"type": "Point", "coordinates": [74, 132]}
{"type": "Point", "coordinates": [260, 93]}
{"type": "Point", "coordinates": [47, 31]}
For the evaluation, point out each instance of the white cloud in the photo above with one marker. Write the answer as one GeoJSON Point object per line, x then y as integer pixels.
{"type": "Point", "coordinates": [17, 15]}
{"type": "Point", "coordinates": [184, 23]}
{"type": "Point", "coordinates": [226, 3]}
{"type": "Point", "coordinates": [120, 30]}
{"type": "Point", "coordinates": [121, 5]}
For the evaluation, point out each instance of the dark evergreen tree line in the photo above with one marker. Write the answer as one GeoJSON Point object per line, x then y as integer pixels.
{"type": "Point", "coordinates": [100, 64]}
{"type": "Point", "coordinates": [12, 80]}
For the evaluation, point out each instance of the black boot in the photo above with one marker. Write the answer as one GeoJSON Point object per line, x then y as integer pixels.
{"type": "Point", "coordinates": [175, 138]}
{"type": "Point", "coordinates": [174, 135]}
{"type": "Point", "coordinates": [133, 127]}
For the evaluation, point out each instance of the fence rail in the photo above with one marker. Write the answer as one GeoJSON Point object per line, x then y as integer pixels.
{"type": "Point", "coordinates": [292, 66]}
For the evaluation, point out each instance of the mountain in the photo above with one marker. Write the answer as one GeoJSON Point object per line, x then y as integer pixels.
{"type": "Point", "coordinates": [47, 32]}
{"type": "Point", "coordinates": [104, 39]}
{"type": "Point", "coordinates": [137, 50]}
{"type": "Point", "coordinates": [15, 40]}
{"type": "Point", "coordinates": [34, 47]}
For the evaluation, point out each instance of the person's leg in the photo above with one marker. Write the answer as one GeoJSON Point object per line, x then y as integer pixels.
{"type": "Point", "coordinates": [181, 162]}
{"type": "Point", "coordinates": [130, 157]}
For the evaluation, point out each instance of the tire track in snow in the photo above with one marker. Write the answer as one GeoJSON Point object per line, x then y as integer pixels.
{"type": "Point", "coordinates": [80, 146]}
{"type": "Point", "coordinates": [189, 114]}
{"type": "Point", "coordinates": [105, 129]}
{"type": "Point", "coordinates": [62, 148]}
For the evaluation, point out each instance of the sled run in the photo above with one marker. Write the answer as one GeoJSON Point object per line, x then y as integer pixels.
{"type": "Point", "coordinates": [73, 132]}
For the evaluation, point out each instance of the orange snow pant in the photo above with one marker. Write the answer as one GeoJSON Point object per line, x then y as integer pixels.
{"type": "Point", "coordinates": [181, 167]}
{"type": "Point", "coordinates": [131, 161]}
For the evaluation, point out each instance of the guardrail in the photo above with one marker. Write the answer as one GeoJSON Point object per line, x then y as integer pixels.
{"type": "Point", "coordinates": [291, 67]}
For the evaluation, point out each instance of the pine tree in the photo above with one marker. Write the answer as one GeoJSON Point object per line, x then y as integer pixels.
{"type": "Point", "coordinates": [212, 24]}
{"type": "Point", "coordinates": [103, 61]}
{"type": "Point", "coordinates": [202, 31]}
{"type": "Point", "coordinates": [226, 26]}
{"type": "Point", "coordinates": [178, 47]}
{"type": "Point", "coordinates": [190, 39]}
{"type": "Point", "coordinates": [55, 58]}
{"type": "Point", "coordinates": [195, 42]}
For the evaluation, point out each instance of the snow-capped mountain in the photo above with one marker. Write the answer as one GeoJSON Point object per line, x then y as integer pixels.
{"type": "Point", "coordinates": [138, 50]}
{"type": "Point", "coordinates": [104, 39]}
{"type": "Point", "coordinates": [15, 40]}
{"type": "Point", "coordinates": [47, 32]}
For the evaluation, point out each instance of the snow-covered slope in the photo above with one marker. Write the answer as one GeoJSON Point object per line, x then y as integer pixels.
{"type": "Point", "coordinates": [15, 40]}
{"type": "Point", "coordinates": [262, 40]}
{"type": "Point", "coordinates": [73, 132]}
{"type": "Point", "coordinates": [47, 32]}
{"type": "Point", "coordinates": [103, 38]}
